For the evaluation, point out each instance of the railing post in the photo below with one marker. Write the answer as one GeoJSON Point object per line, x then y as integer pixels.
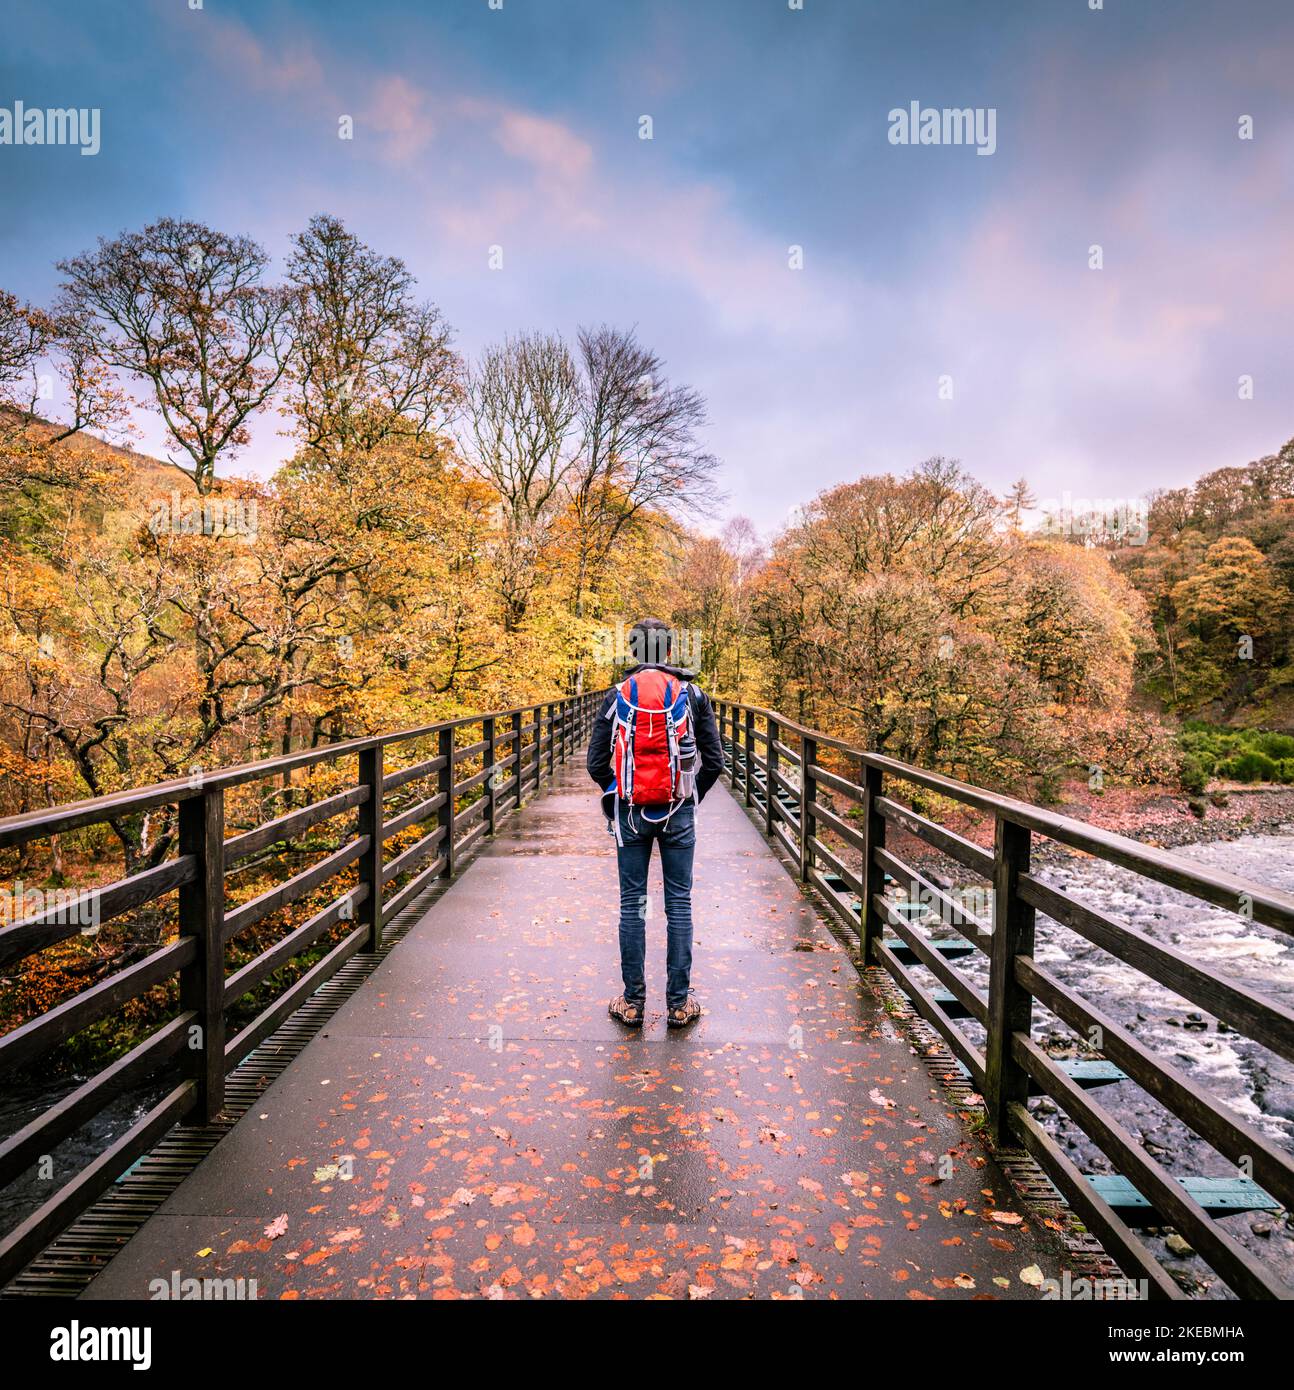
{"type": "Point", "coordinates": [445, 784]}
{"type": "Point", "coordinates": [1010, 1005]}
{"type": "Point", "coordinates": [871, 925]}
{"type": "Point", "coordinates": [491, 782]}
{"type": "Point", "coordinates": [202, 916]}
{"type": "Point", "coordinates": [370, 862]}
{"type": "Point", "coordinates": [750, 748]}
{"type": "Point", "coordinates": [552, 740]}
{"type": "Point", "coordinates": [770, 774]}
{"type": "Point", "coordinates": [808, 792]}
{"type": "Point", "coordinates": [539, 748]}
{"type": "Point", "coordinates": [516, 749]}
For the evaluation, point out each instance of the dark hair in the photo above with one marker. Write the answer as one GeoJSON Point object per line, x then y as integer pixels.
{"type": "Point", "coordinates": [650, 641]}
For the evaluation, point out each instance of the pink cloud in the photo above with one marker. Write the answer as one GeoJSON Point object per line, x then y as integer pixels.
{"type": "Point", "coordinates": [397, 111]}
{"type": "Point", "coordinates": [553, 148]}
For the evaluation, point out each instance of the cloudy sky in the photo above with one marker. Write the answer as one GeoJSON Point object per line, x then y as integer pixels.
{"type": "Point", "coordinates": [520, 127]}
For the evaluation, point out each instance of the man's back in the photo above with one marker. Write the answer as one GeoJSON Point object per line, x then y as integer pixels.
{"type": "Point", "coordinates": [709, 748]}
{"type": "Point", "coordinates": [629, 726]}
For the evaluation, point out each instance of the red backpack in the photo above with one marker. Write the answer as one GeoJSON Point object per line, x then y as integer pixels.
{"type": "Point", "coordinates": [653, 744]}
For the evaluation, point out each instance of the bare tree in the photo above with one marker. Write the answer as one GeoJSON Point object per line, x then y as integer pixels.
{"type": "Point", "coordinates": [1018, 501]}
{"type": "Point", "coordinates": [639, 452]}
{"type": "Point", "coordinates": [369, 363]}
{"type": "Point", "coordinates": [523, 398]}
{"type": "Point", "coordinates": [182, 307]}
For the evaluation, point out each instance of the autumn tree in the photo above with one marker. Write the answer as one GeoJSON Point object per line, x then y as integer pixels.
{"type": "Point", "coordinates": [184, 310]}
{"type": "Point", "coordinates": [37, 448]}
{"type": "Point", "coordinates": [1231, 607]}
{"type": "Point", "coordinates": [369, 363]}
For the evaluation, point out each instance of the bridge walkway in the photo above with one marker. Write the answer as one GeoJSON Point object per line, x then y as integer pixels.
{"type": "Point", "coordinates": [471, 1123]}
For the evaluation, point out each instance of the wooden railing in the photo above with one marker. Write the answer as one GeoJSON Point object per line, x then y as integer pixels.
{"type": "Point", "coordinates": [832, 816]}
{"type": "Point", "coordinates": [462, 787]}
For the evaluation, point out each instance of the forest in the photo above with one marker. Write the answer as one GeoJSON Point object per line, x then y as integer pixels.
{"type": "Point", "coordinates": [446, 535]}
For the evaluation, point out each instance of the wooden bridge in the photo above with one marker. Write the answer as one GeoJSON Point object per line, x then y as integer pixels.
{"type": "Point", "coordinates": [436, 1104]}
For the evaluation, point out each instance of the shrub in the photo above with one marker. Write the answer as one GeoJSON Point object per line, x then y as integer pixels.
{"type": "Point", "coordinates": [1277, 746]}
{"type": "Point", "coordinates": [1196, 771]}
{"type": "Point", "coordinates": [1249, 767]}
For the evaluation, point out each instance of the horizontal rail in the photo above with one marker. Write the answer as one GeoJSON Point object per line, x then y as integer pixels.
{"type": "Point", "coordinates": [296, 941]}
{"type": "Point", "coordinates": [288, 826]}
{"type": "Point", "coordinates": [57, 923]}
{"type": "Point", "coordinates": [31, 825]}
{"type": "Point", "coordinates": [1270, 906]}
{"type": "Point", "coordinates": [24, 1045]}
{"type": "Point", "coordinates": [967, 854]}
{"type": "Point", "coordinates": [396, 779]}
{"type": "Point", "coordinates": [413, 815]}
{"type": "Point", "coordinates": [40, 1135]}
{"type": "Point", "coordinates": [961, 1047]}
{"type": "Point", "coordinates": [1272, 1167]}
{"type": "Point", "coordinates": [940, 969]}
{"type": "Point", "coordinates": [1241, 1270]}
{"type": "Point", "coordinates": [415, 854]}
{"type": "Point", "coordinates": [292, 998]}
{"type": "Point", "coordinates": [851, 834]}
{"type": "Point", "coordinates": [74, 1197]}
{"type": "Point", "coordinates": [282, 894]}
{"type": "Point", "coordinates": [1119, 1240]}
{"type": "Point", "coordinates": [402, 897]}
{"type": "Point", "coordinates": [1266, 1021]}
{"type": "Point", "coordinates": [981, 932]}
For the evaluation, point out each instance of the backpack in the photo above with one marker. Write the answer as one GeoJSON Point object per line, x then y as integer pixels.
{"type": "Point", "coordinates": [653, 743]}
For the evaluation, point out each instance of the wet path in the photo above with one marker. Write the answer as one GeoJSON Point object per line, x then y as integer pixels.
{"type": "Point", "coordinates": [472, 1123]}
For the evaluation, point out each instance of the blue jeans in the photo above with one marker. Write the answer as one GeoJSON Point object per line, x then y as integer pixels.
{"type": "Point", "coordinates": [677, 841]}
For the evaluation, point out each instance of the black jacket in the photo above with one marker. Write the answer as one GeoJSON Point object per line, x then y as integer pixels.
{"type": "Point", "coordinates": [706, 726]}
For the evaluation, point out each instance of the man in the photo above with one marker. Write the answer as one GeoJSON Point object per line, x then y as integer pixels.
{"type": "Point", "coordinates": [643, 755]}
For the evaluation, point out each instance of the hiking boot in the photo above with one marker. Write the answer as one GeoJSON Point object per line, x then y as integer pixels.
{"type": "Point", "coordinates": [687, 1012]}
{"type": "Point", "coordinates": [626, 1012]}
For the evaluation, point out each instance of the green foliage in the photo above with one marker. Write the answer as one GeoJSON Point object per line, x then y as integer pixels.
{"type": "Point", "coordinates": [1278, 746]}
{"type": "Point", "coordinates": [1248, 767]}
{"type": "Point", "coordinates": [1237, 755]}
{"type": "Point", "coordinates": [1217, 574]}
{"type": "Point", "coordinates": [1195, 772]}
